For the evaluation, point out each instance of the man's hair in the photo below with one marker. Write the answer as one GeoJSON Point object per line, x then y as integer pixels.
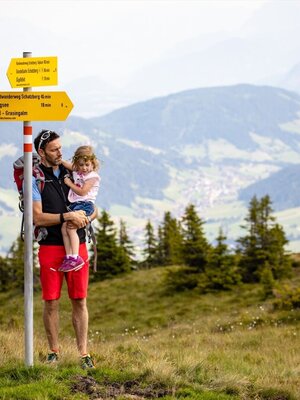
{"type": "Point", "coordinates": [40, 143]}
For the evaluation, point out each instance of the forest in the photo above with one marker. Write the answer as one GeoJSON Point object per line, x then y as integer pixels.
{"type": "Point", "coordinates": [259, 255]}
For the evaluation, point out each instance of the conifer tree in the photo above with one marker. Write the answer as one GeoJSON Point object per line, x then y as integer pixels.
{"type": "Point", "coordinates": [150, 250]}
{"type": "Point", "coordinates": [195, 247]}
{"type": "Point", "coordinates": [263, 246]}
{"type": "Point", "coordinates": [13, 277]}
{"type": "Point", "coordinates": [111, 259]}
{"type": "Point", "coordinates": [222, 270]}
{"type": "Point", "coordinates": [4, 275]}
{"type": "Point", "coordinates": [171, 240]}
{"type": "Point", "coordinates": [15, 262]}
{"type": "Point", "coordinates": [125, 243]}
{"type": "Point", "coordinates": [278, 259]}
{"type": "Point", "coordinates": [160, 251]}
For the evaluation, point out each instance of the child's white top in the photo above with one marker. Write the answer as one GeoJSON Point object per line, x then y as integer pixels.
{"type": "Point", "coordinates": [79, 180]}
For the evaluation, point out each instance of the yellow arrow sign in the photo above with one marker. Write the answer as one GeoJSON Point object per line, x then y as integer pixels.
{"type": "Point", "coordinates": [32, 71]}
{"type": "Point", "coordinates": [34, 106]}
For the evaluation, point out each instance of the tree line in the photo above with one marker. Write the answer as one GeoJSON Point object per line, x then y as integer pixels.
{"type": "Point", "coordinates": [258, 256]}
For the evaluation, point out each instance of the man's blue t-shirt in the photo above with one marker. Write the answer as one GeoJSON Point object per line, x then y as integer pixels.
{"type": "Point", "coordinates": [36, 195]}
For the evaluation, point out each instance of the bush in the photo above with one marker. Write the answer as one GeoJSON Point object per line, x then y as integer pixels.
{"type": "Point", "coordinates": [287, 298]}
{"type": "Point", "coordinates": [181, 279]}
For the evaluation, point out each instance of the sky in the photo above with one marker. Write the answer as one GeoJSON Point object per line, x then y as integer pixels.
{"type": "Point", "coordinates": [110, 39]}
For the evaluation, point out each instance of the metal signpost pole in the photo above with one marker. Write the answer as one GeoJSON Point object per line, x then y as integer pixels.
{"type": "Point", "coordinates": [28, 228]}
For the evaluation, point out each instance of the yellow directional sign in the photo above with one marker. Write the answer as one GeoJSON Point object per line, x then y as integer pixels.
{"type": "Point", "coordinates": [34, 106]}
{"type": "Point", "coordinates": [30, 72]}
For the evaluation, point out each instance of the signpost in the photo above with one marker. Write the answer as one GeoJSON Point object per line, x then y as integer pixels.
{"type": "Point", "coordinates": [28, 72]}
{"type": "Point", "coordinates": [28, 228]}
{"type": "Point", "coordinates": [34, 106]}
{"type": "Point", "coordinates": [30, 106]}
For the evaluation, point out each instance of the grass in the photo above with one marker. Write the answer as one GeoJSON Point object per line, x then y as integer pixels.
{"type": "Point", "coordinates": [149, 344]}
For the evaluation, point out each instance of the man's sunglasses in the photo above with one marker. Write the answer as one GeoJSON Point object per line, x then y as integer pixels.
{"type": "Point", "coordinates": [45, 136]}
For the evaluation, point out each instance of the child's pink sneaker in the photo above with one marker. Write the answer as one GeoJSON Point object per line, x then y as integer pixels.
{"type": "Point", "coordinates": [71, 264]}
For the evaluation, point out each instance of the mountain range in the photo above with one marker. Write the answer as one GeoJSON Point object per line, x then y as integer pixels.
{"type": "Point", "coordinates": [213, 147]}
{"type": "Point", "coordinates": [263, 51]}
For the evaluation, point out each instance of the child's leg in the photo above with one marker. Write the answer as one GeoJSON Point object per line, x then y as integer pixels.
{"type": "Point", "coordinates": [72, 261]}
{"type": "Point", "coordinates": [66, 238]}
{"type": "Point", "coordinates": [74, 241]}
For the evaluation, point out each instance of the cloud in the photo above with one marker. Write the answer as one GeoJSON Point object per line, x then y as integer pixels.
{"type": "Point", "coordinates": [8, 150]}
{"type": "Point", "coordinates": [114, 38]}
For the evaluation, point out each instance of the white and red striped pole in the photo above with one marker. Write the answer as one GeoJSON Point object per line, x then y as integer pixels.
{"type": "Point", "coordinates": [28, 229]}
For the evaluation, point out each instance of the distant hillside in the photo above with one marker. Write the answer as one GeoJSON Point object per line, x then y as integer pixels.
{"type": "Point", "coordinates": [283, 187]}
{"type": "Point", "coordinates": [231, 113]}
{"type": "Point", "coordinates": [201, 146]}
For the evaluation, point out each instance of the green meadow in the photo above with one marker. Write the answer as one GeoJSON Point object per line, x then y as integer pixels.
{"type": "Point", "coordinates": [149, 343]}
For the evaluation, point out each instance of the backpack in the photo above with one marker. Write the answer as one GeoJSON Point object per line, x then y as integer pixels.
{"type": "Point", "coordinates": [41, 232]}
{"type": "Point", "coordinates": [18, 166]}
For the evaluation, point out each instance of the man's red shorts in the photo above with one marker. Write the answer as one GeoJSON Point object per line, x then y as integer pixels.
{"type": "Point", "coordinates": [51, 258]}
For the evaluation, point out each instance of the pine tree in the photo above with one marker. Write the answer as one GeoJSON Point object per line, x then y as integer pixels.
{"type": "Point", "coordinates": [4, 275]}
{"type": "Point", "coordinates": [195, 247]}
{"type": "Point", "coordinates": [222, 270]}
{"type": "Point", "coordinates": [125, 243]}
{"type": "Point", "coordinates": [13, 277]}
{"type": "Point", "coordinates": [171, 240]}
{"type": "Point", "coordinates": [150, 250]}
{"type": "Point", "coordinates": [278, 259]}
{"type": "Point", "coordinates": [160, 250]}
{"type": "Point", "coordinates": [111, 259]}
{"type": "Point", "coordinates": [248, 246]}
{"type": "Point", "coordinates": [15, 261]}
{"type": "Point", "coordinates": [263, 247]}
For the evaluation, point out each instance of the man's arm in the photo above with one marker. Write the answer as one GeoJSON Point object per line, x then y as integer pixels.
{"type": "Point", "coordinates": [77, 218]}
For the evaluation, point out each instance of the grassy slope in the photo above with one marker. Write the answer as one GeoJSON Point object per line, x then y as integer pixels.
{"type": "Point", "coordinates": [149, 344]}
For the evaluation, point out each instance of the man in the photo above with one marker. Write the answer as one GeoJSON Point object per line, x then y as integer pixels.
{"type": "Point", "coordinates": [49, 212]}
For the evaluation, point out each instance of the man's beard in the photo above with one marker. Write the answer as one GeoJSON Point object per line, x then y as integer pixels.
{"type": "Point", "coordinates": [52, 162]}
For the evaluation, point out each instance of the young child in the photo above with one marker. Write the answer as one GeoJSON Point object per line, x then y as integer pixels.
{"type": "Point", "coordinates": [82, 196]}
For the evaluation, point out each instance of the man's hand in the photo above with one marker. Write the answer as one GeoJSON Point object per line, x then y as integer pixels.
{"type": "Point", "coordinates": [76, 219]}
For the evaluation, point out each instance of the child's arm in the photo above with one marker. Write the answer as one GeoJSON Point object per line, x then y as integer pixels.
{"type": "Point", "coordinates": [81, 191]}
{"type": "Point", "coordinates": [67, 165]}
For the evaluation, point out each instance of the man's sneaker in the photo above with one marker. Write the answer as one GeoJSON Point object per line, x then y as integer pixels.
{"type": "Point", "coordinates": [86, 362]}
{"type": "Point", "coordinates": [52, 358]}
{"type": "Point", "coordinates": [71, 264]}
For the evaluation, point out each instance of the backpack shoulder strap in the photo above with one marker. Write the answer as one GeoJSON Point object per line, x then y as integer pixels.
{"type": "Point", "coordinates": [92, 237]}
{"type": "Point", "coordinates": [39, 176]}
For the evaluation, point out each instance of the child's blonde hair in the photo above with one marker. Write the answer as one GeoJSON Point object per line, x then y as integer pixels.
{"type": "Point", "coordinates": [87, 154]}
